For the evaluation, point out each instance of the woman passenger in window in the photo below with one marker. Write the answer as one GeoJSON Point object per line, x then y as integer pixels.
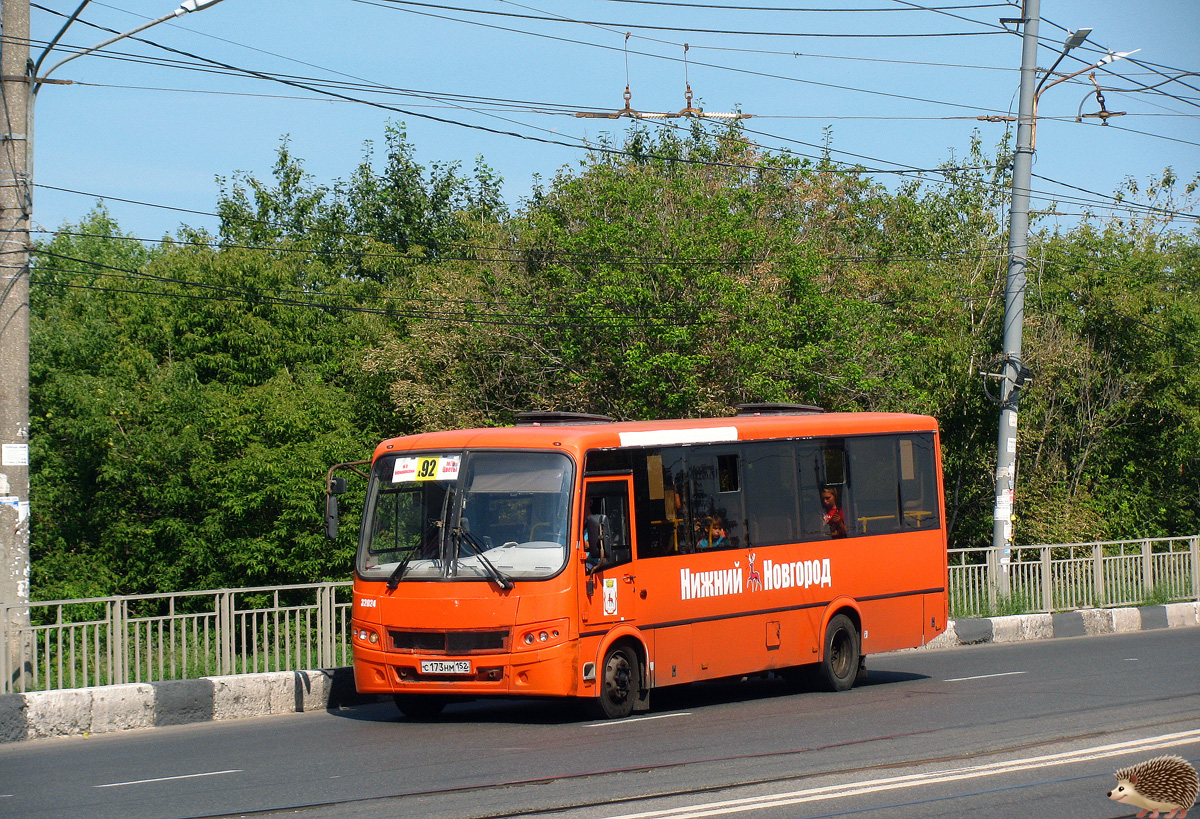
{"type": "Point", "coordinates": [831, 505]}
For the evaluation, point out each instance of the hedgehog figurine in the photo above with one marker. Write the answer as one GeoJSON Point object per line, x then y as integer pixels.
{"type": "Point", "coordinates": [1167, 784]}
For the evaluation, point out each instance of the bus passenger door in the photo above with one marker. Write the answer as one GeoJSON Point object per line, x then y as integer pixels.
{"type": "Point", "coordinates": [608, 584]}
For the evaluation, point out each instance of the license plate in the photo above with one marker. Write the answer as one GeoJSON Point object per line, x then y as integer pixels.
{"type": "Point", "coordinates": [445, 666]}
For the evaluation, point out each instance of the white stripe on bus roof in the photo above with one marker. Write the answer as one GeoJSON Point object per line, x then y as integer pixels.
{"type": "Point", "coordinates": [666, 437]}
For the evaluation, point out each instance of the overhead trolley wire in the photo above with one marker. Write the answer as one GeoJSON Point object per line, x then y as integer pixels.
{"type": "Point", "coordinates": [362, 85]}
{"type": "Point", "coordinates": [1119, 204]}
{"type": "Point", "coordinates": [1107, 201]}
{"type": "Point", "coordinates": [717, 66]}
{"type": "Point", "coordinates": [681, 29]}
{"type": "Point", "coordinates": [722, 7]}
{"type": "Point", "coordinates": [244, 295]}
{"type": "Point", "coordinates": [311, 85]}
{"type": "Point", "coordinates": [1155, 68]}
{"type": "Point", "coordinates": [520, 253]}
{"type": "Point", "coordinates": [580, 144]}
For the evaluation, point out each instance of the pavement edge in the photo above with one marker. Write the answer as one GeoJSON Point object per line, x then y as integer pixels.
{"type": "Point", "coordinates": [103, 709]}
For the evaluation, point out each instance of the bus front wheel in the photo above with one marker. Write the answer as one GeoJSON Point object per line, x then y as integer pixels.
{"type": "Point", "coordinates": [620, 683]}
{"type": "Point", "coordinates": [839, 666]}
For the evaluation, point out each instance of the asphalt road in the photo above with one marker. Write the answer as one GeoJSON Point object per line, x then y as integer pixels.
{"type": "Point", "coordinates": [1032, 728]}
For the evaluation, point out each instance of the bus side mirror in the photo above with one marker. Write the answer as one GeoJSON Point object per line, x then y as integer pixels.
{"type": "Point", "coordinates": [331, 513]}
{"type": "Point", "coordinates": [333, 488]}
{"type": "Point", "coordinates": [599, 536]}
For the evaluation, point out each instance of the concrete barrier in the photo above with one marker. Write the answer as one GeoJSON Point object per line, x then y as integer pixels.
{"type": "Point", "coordinates": [85, 711]}
{"type": "Point", "coordinates": [1085, 622]}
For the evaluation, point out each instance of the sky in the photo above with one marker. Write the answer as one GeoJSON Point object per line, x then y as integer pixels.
{"type": "Point", "coordinates": [891, 85]}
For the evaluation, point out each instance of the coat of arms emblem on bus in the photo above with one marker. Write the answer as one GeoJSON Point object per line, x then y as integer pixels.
{"type": "Point", "coordinates": [754, 581]}
{"type": "Point", "coordinates": [610, 596]}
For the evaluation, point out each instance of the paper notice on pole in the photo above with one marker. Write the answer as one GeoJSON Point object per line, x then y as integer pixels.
{"type": "Point", "coordinates": [14, 455]}
{"type": "Point", "coordinates": [21, 507]}
{"type": "Point", "coordinates": [1003, 510]}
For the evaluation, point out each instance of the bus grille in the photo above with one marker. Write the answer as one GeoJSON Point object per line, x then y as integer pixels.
{"type": "Point", "coordinates": [450, 642]}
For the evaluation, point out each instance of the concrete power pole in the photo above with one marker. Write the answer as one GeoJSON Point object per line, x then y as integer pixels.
{"type": "Point", "coordinates": [1014, 297]}
{"type": "Point", "coordinates": [15, 206]}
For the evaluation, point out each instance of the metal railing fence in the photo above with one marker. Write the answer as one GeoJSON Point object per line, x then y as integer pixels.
{"type": "Point", "coordinates": [61, 644]}
{"type": "Point", "coordinates": [1062, 577]}
{"type": "Point", "coordinates": [185, 635]}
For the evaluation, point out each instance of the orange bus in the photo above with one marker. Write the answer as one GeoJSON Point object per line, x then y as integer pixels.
{"type": "Point", "coordinates": [574, 556]}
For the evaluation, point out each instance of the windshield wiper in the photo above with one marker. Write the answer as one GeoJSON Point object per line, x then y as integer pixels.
{"type": "Point", "coordinates": [497, 575]}
{"type": "Point", "coordinates": [398, 573]}
{"type": "Point", "coordinates": [394, 578]}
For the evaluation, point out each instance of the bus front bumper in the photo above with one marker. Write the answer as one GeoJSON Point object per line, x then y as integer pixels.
{"type": "Point", "coordinates": [541, 672]}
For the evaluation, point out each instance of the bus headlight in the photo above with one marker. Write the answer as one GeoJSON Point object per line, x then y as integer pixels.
{"type": "Point", "coordinates": [545, 635]}
{"type": "Point", "coordinates": [366, 635]}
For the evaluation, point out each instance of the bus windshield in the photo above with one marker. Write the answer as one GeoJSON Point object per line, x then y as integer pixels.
{"type": "Point", "coordinates": [498, 516]}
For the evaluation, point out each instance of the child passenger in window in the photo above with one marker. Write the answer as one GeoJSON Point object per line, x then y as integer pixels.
{"type": "Point", "coordinates": [714, 537]}
{"type": "Point", "coordinates": [831, 504]}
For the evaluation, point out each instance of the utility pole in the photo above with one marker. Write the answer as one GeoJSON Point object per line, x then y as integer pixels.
{"type": "Point", "coordinates": [1013, 374]}
{"type": "Point", "coordinates": [15, 207]}
{"type": "Point", "coordinates": [20, 81]}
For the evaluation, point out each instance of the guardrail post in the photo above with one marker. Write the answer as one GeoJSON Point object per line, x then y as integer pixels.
{"type": "Point", "coordinates": [16, 648]}
{"type": "Point", "coordinates": [325, 626]}
{"type": "Point", "coordinates": [1098, 574]}
{"type": "Point", "coordinates": [224, 632]}
{"type": "Point", "coordinates": [1194, 544]}
{"type": "Point", "coordinates": [993, 577]}
{"type": "Point", "coordinates": [1147, 568]}
{"type": "Point", "coordinates": [116, 642]}
{"type": "Point", "coordinates": [1047, 580]}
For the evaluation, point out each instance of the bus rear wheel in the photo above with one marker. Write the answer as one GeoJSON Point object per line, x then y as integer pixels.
{"type": "Point", "coordinates": [840, 661]}
{"type": "Point", "coordinates": [620, 684]}
{"type": "Point", "coordinates": [419, 707]}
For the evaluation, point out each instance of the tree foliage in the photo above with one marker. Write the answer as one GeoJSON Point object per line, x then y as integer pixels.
{"type": "Point", "coordinates": [189, 396]}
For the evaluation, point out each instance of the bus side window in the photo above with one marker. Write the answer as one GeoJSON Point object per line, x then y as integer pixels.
{"type": "Point", "coordinates": [608, 512]}
{"type": "Point", "coordinates": [824, 492]}
{"type": "Point", "coordinates": [718, 518]}
{"type": "Point", "coordinates": [918, 482]}
{"type": "Point", "coordinates": [770, 493]}
{"type": "Point", "coordinates": [874, 474]}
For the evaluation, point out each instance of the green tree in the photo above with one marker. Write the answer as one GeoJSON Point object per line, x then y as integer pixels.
{"type": "Point", "coordinates": [186, 403]}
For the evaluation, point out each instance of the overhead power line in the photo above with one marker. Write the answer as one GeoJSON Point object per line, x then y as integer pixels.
{"type": "Point", "coordinates": [317, 88]}
{"type": "Point", "coordinates": [723, 7]}
{"type": "Point", "coordinates": [522, 253]}
{"type": "Point", "coordinates": [681, 29]}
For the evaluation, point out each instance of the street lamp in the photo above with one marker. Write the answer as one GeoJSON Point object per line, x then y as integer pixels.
{"type": "Point", "coordinates": [1075, 39]}
{"type": "Point", "coordinates": [186, 7]}
{"type": "Point", "coordinates": [1014, 375]}
{"type": "Point", "coordinates": [19, 84]}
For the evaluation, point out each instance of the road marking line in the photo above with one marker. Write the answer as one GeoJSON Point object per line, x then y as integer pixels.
{"type": "Point", "coordinates": [637, 719]}
{"type": "Point", "coordinates": [166, 778]}
{"type": "Point", "coordinates": [985, 676]}
{"type": "Point", "coordinates": [779, 800]}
